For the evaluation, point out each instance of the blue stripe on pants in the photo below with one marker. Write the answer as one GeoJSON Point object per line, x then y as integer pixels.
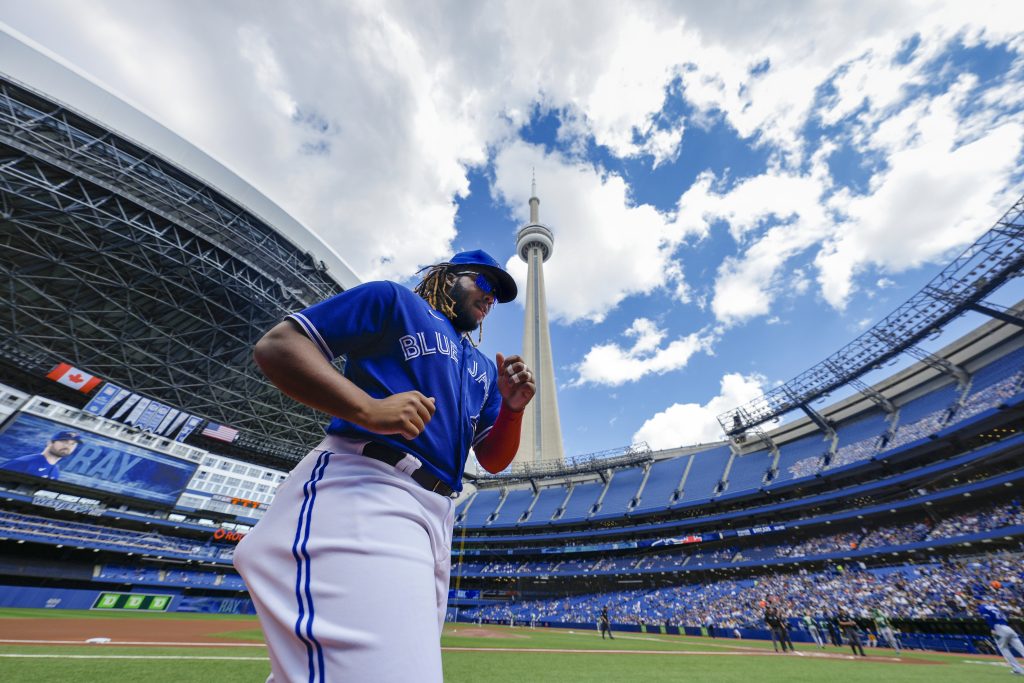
{"type": "Point", "coordinates": [303, 565]}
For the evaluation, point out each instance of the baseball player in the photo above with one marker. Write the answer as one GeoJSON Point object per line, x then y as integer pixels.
{"type": "Point", "coordinates": [773, 618]}
{"type": "Point", "coordinates": [852, 632]}
{"type": "Point", "coordinates": [812, 628]}
{"type": "Point", "coordinates": [1004, 635]}
{"type": "Point", "coordinates": [45, 464]}
{"type": "Point", "coordinates": [349, 567]}
{"type": "Point", "coordinates": [885, 630]}
{"type": "Point", "coordinates": [606, 624]}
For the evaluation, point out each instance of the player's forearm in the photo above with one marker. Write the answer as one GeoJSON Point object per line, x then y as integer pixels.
{"type": "Point", "coordinates": [498, 449]}
{"type": "Point", "coordinates": [293, 363]}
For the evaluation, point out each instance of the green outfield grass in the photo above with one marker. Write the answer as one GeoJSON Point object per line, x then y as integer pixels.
{"type": "Point", "coordinates": [492, 654]}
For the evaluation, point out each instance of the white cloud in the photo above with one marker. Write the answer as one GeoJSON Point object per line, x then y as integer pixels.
{"type": "Point", "coordinates": [785, 208]}
{"type": "Point", "coordinates": [684, 424]}
{"type": "Point", "coordinates": [412, 95]}
{"type": "Point", "coordinates": [614, 365]}
{"type": "Point", "coordinates": [939, 193]}
{"type": "Point", "coordinates": [606, 248]}
{"type": "Point", "coordinates": [255, 48]}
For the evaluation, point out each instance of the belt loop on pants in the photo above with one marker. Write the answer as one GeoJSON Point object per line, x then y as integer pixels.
{"type": "Point", "coordinates": [393, 456]}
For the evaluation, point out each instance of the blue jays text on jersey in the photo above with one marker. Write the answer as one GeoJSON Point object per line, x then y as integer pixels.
{"type": "Point", "coordinates": [395, 342]}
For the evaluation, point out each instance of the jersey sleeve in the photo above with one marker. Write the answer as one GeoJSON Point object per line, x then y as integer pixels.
{"type": "Point", "coordinates": [349, 322]}
{"type": "Point", "coordinates": [489, 413]}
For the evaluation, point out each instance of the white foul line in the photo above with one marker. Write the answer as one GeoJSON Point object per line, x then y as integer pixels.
{"type": "Point", "coordinates": [176, 657]}
{"type": "Point", "coordinates": [151, 643]}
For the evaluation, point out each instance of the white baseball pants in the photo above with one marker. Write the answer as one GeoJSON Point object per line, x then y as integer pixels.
{"type": "Point", "coordinates": [349, 570]}
{"type": "Point", "coordinates": [890, 638]}
{"type": "Point", "coordinates": [1006, 638]}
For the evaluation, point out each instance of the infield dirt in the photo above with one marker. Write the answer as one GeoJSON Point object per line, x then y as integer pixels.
{"type": "Point", "coordinates": [125, 631]}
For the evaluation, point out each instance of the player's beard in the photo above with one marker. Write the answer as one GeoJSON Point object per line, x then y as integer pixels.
{"type": "Point", "coordinates": [464, 320]}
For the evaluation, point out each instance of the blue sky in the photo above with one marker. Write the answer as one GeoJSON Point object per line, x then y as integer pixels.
{"type": "Point", "coordinates": [735, 191]}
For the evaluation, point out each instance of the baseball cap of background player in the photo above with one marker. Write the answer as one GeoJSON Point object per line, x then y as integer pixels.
{"type": "Point", "coordinates": [67, 436]}
{"type": "Point", "coordinates": [481, 260]}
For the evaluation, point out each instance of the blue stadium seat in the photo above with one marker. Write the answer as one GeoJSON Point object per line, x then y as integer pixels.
{"type": "Point", "coordinates": [705, 473]}
{"type": "Point", "coordinates": [517, 502]}
{"type": "Point", "coordinates": [748, 471]}
{"type": "Point", "coordinates": [859, 439]}
{"type": "Point", "coordinates": [581, 501]}
{"type": "Point", "coordinates": [807, 451]}
{"type": "Point", "coordinates": [993, 383]}
{"type": "Point", "coordinates": [481, 507]}
{"type": "Point", "coordinates": [549, 500]}
{"type": "Point", "coordinates": [622, 489]}
{"type": "Point", "coordinates": [662, 482]}
{"type": "Point", "coordinates": [925, 415]}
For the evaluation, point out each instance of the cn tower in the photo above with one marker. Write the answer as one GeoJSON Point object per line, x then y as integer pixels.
{"type": "Point", "coordinates": [541, 440]}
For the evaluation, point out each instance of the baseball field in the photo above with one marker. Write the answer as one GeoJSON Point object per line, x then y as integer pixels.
{"type": "Point", "coordinates": [42, 645]}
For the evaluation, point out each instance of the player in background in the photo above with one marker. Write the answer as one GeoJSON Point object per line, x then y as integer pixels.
{"type": "Point", "coordinates": [1006, 638]}
{"type": "Point", "coordinates": [604, 621]}
{"type": "Point", "coordinates": [349, 567]}
{"type": "Point", "coordinates": [812, 628]}
{"type": "Point", "coordinates": [852, 632]}
{"type": "Point", "coordinates": [45, 464]}
{"type": "Point", "coordinates": [784, 620]}
{"type": "Point", "coordinates": [773, 618]}
{"type": "Point", "coordinates": [884, 629]}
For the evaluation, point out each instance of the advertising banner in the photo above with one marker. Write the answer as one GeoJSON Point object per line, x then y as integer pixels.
{"type": "Point", "coordinates": [132, 601]}
{"type": "Point", "coordinates": [43, 448]}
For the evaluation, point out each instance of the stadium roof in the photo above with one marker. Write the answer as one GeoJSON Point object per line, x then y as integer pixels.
{"type": "Point", "coordinates": [32, 65]}
{"type": "Point", "coordinates": [136, 257]}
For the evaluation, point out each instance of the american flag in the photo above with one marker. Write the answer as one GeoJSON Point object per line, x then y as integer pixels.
{"type": "Point", "coordinates": [220, 432]}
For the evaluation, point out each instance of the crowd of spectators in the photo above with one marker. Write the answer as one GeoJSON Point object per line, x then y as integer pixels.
{"type": "Point", "coordinates": [173, 577]}
{"type": "Point", "coordinates": [983, 399]}
{"type": "Point", "coordinates": [927, 425]}
{"type": "Point", "coordinates": [937, 590]}
{"type": "Point", "coordinates": [975, 521]}
{"type": "Point", "coordinates": [914, 530]}
{"type": "Point", "coordinates": [895, 535]}
{"type": "Point", "coordinates": [990, 395]}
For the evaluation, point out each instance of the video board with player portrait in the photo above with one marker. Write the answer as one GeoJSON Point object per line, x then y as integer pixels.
{"type": "Point", "coordinates": [42, 448]}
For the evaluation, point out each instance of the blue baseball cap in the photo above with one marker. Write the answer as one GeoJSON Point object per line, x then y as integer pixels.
{"type": "Point", "coordinates": [67, 436]}
{"type": "Point", "coordinates": [481, 260]}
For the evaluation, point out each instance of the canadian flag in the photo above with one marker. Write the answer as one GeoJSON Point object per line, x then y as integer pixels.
{"type": "Point", "coordinates": [71, 376]}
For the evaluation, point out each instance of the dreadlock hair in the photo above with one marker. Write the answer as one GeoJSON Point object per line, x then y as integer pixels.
{"type": "Point", "coordinates": [435, 288]}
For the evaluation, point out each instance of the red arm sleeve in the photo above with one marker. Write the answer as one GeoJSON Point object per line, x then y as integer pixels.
{"type": "Point", "coordinates": [498, 448]}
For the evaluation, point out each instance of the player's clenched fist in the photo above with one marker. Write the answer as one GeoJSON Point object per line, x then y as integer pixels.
{"type": "Point", "coordinates": [515, 382]}
{"type": "Point", "coordinates": [406, 413]}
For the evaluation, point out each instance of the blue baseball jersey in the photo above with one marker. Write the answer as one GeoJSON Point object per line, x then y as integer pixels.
{"type": "Point", "coordinates": [37, 465]}
{"type": "Point", "coordinates": [992, 615]}
{"type": "Point", "coordinates": [394, 341]}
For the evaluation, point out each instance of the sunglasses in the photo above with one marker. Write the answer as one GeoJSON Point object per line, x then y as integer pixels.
{"type": "Point", "coordinates": [486, 285]}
